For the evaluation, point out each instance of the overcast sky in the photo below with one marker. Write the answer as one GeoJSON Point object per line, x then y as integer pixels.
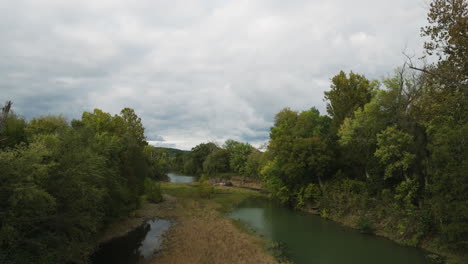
{"type": "Point", "coordinates": [196, 71]}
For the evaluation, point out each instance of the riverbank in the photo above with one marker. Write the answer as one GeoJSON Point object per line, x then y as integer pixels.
{"type": "Point", "coordinates": [378, 226]}
{"type": "Point", "coordinates": [202, 234]}
{"type": "Point", "coordinates": [148, 211]}
{"type": "Point", "coordinates": [436, 255]}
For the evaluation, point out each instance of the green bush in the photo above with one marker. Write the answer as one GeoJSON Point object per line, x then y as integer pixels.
{"type": "Point", "coordinates": [205, 190]}
{"type": "Point", "coordinates": [311, 193]}
{"type": "Point", "coordinates": [153, 191]}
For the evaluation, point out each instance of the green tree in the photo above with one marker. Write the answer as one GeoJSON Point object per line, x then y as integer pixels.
{"type": "Point", "coordinates": [445, 116]}
{"type": "Point", "coordinates": [347, 94]}
{"type": "Point", "coordinates": [359, 135]}
{"type": "Point", "coordinates": [13, 131]}
{"type": "Point", "coordinates": [393, 151]}
{"type": "Point", "coordinates": [299, 153]}
{"type": "Point", "coordinates": [216, 162]}
{"type": "Point", "coordinates": [158, 160]}
{"type": "Point", "coordinates": [238, 154]}
{"type": "Point", "coordinates": [134, 125]}
{"type": "Point", "coordinates": [46, 125]}
{"type": "Point", "coordinates": [253, 164]}
{"type": "Point", "coordinates": [194, 163]}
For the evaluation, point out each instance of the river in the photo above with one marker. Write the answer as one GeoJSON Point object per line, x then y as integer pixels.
{"type": "Point", "coordinates": [138, 246]}
{"type": "Point", "coordinates": [179, 178]}
{"type": "Point", "coordinates": [307, 238]}
{"type": "Point", "coordinates": [312, 239]}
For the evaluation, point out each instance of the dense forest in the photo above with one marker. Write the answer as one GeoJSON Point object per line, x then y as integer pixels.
{"type": "Point", "coordinates": [61, 182]}
{"type": "Point", "coordinates": [390, 153]}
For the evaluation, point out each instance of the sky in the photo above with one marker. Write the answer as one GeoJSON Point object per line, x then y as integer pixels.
{"type": "Point", "coordinates": [196, 71]}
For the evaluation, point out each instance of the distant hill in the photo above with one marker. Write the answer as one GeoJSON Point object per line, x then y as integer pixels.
{"type": "Point", "coordinates": [172, 151]}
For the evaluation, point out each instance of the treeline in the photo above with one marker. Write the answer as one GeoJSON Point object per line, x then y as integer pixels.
{"type": "Point", "coordinates": [213, 161]}
{"type": "Point", "coordinates": [61, 182]}
{"type": "Point", "coordinates": [391, 155]}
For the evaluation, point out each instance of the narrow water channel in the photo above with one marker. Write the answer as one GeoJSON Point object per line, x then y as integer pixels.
{"type": "Point", "coordinates": [138, 246]}
{"type": "Point", "coordinates": [312, 239]}
{"type": "Point", "coordinates": [179, 178]}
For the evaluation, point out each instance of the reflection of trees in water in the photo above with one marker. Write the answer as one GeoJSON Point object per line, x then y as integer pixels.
{"type": "Point", "coordinates": [122, 250]}
{"type": "Point", "coordinates": [275, 223]}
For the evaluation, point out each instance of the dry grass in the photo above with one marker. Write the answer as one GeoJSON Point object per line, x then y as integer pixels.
{"type": "Point", "coordinates": [202, 234]}
{"type": "Point", "coordinates": [255, 184]}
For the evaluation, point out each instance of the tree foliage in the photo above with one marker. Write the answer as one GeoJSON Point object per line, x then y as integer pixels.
{"type": "Point", "coordinates": [396, 154]}
{"type": "Point", "coordinates": [347, 94]}
{"type": "Point", "coordinates": [62, 183]}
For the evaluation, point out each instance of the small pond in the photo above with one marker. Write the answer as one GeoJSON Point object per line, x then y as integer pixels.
{"type": "Point", "coordinates": [178, 178]}
{"type": "Point", "coordinates": [135, 247]}
{"type": "Point", "coordinates": [312, 239]}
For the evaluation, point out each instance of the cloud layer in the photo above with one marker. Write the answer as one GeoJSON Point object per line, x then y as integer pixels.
{"type": "Point", "coordinates": [195, 71]}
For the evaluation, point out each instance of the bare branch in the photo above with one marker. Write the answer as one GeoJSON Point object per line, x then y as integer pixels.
{"type": "Point", "coordinates": [4, 114]}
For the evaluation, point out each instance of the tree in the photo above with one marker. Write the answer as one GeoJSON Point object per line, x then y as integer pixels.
{"type": "Point", "coordinates": [347, 94]}
{"type": "Point", "coordinates": [134, 125]}
{"type": "Point", "coordinates": [448, 40]}
{"type": "Point", "coordinates": [238, 154]}
{"type": "Point", "coordinates": [61, 187]}
{"type": "Point", "coordinates": [158, 160]}
{"type": "Point", "coordinates": [393, 151]}
{"type": "Point", "coordinates": [46, 125]}
{"type": "Point", "coordinates": [358, 135]}
{"type": "Point", "coordinates": [194, 164]}
{"type": "Point", "coordinates": [445, 112]}
{"type": "Point", "coordinates": [4, 114]}
{"type": "Point", "coordinates": [216, 162]}
{"type": "Point", "coordinates": [299, 153]}
{"type": "Point", "coordinates": [253, 165]}
{"type": "Point", "coordinates": [13, 131]}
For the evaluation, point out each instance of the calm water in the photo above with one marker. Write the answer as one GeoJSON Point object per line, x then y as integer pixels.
{"type": "Point", "coordinates": [177, 178]}
{"type": "Point", "coordinates": [135, 247]}
{"type": "Point", "coordinates": [311, 239]}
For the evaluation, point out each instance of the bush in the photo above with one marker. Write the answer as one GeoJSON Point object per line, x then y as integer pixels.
{"type": "Point", "coordinates": [153, 191]}
{"type": "Point", "coordinates": [205, 190]}
{"type": "Point", "coordinates": [311, 193]}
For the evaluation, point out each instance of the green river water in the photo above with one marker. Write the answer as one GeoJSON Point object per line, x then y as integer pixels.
{"type": "Point", "coordinates": [310, 239]}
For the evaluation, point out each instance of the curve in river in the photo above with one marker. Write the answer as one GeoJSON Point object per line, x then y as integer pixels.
{"type": "Point", "coordinates": [312, 239]}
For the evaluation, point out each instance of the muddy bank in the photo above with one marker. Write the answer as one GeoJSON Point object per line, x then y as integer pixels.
{"type": "Point", "coordinates": [125, 225]}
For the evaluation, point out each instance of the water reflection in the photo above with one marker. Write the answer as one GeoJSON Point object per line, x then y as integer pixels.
{"type": "Point", "coordinates": [135, 247]}
{"type": "Point", "coordinates": [178, 178]}
{"type": "Point", "coordinates": [312, 239]}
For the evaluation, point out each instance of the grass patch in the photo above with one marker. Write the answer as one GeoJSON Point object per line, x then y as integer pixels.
{"type": "Point", "coordinates": [202, 233]}
{"type": "Point", "coordinates": [230, 198]}
{"type": "Point", "coordinates": [227, 198]}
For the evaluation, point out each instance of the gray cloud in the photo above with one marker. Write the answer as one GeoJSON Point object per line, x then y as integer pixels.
{"type": "Point", "coordinates": [195, 71]}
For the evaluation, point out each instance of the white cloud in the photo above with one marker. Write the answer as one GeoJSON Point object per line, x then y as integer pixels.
{"type": "Point", "coordinates": [195, 71]}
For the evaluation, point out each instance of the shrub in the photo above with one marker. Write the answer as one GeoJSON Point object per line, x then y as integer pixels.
{"type": "Point", "coordinates": [153, 191]}
{"type": "Point", "coordinates": [205, 190]}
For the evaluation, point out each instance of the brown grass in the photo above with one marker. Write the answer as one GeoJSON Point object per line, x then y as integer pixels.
{"type": "Point", "coordinates": [255, 184]}
{"type": "Point", "coordinates": [203, 235]}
